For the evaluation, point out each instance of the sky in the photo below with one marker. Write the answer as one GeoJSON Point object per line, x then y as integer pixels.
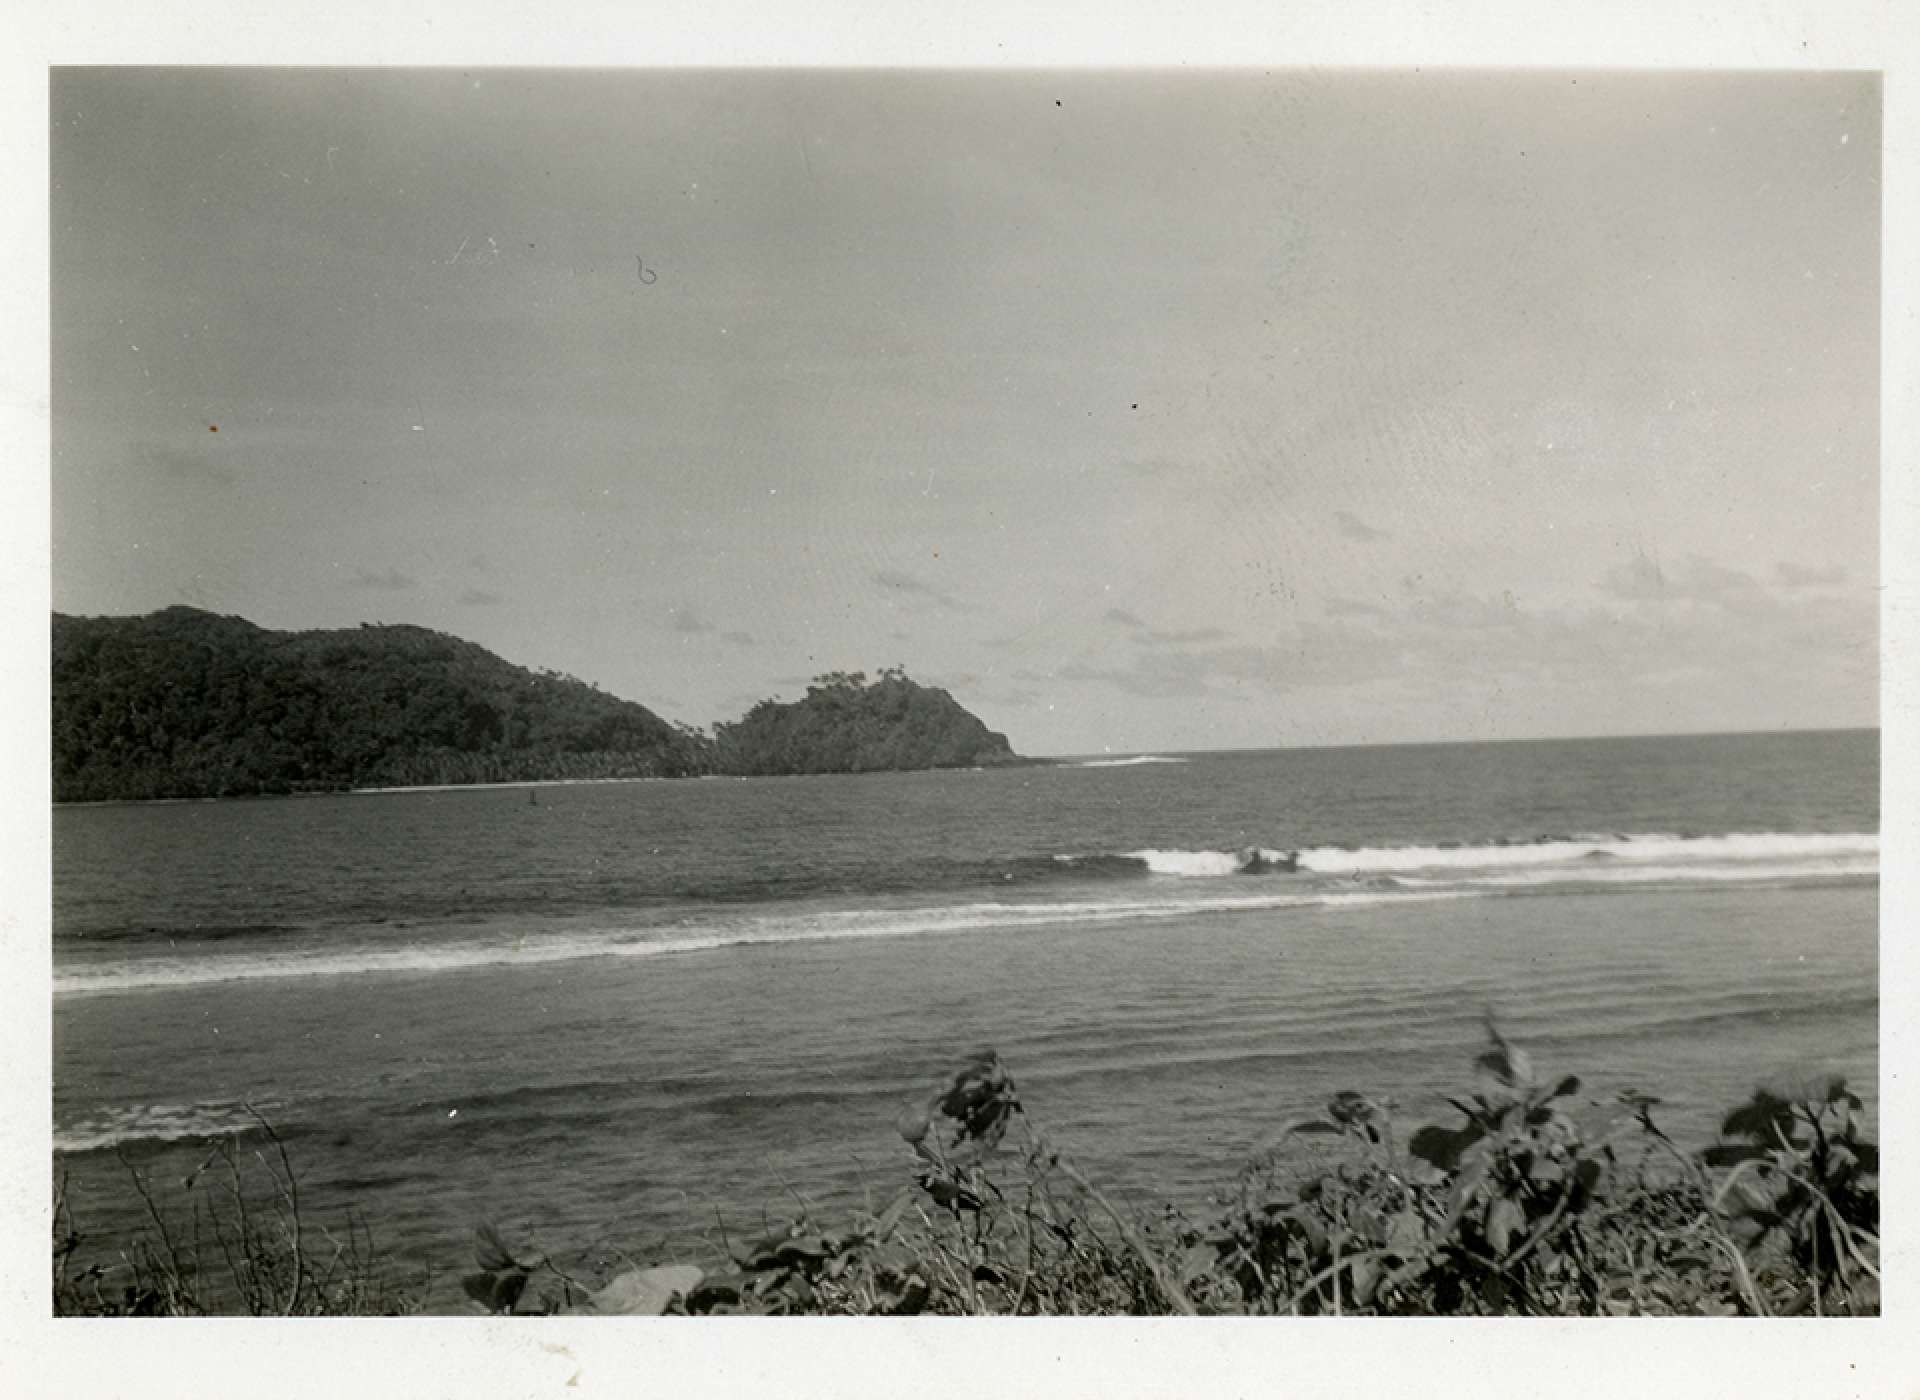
{"type": "Point", "coordinates": [1148, 410]}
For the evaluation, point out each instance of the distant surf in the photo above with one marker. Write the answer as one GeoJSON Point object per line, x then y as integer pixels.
{"type": "Point", "coordinates": [1328, 877]}
{"type": "Point", "coordinates": [1125, 762]}
{"type": "Point", "coordinates": [638, 940]}
{"type": "Point", "coordinates": [1644, 855]}
{"type": "Point", "coordinates": [154, 1123]}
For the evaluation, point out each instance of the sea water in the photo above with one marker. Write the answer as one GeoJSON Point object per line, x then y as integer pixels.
{"type": "Point", "coordinates": [649, 1014]}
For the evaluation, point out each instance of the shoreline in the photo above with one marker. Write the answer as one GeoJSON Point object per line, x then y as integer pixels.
{"type": "Point", "coordinates": [1019, 762]}
{"type": "Point", "coordinates": [1097, 759]}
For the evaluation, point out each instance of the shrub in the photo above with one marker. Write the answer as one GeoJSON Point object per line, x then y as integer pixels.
{"type": "Point", "coordinates": [233, 1241]}
{"type": "Point", "coordinates": [1511, 1208]}
{"type": "Point", "coordinates": [1518, 1205]}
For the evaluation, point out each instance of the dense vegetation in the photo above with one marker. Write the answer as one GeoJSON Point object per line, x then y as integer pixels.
{"type": "Point", "coordinates": [1519, 1206]}
{"type": "Point", "coordinates": [184, 703]}
{"type": "Point", "coordinates": [849, 724]}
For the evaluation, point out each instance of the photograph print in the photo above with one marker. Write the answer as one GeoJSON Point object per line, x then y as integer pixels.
{"type": "Point", "coordinates": [954, 692]}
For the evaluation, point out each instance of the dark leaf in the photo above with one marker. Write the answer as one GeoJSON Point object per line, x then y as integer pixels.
{"type": "Point", "coordinates": [1443, 1147]}
{"type": "Point", "coordinates": [980, 1103]}
{"type": "Point", "coordinates": [804, 1255]}
{"type": "Point", "coordinates": [1507, 1064]}
{"type": "Point", "coordinates": [1728, 1154]}
{"type": "Point", "coordinates": [1569, 1085]}
{"type": "Point", "coordinates": [950, 1194]}
{"type": "Point", "coordinates": [712, 1294]}
{"type": "Point", "coordinates": [1406, 1273]}
{"type": "Point", "coordinates": [1349, 1107]}
{"type": "Point", "coordinates": [908, 1299]}
{"type": "Point", "coordinates": [1758, 1118]}
{"type": "Point", "coordinates": [1311, 1125]}
{"type": "Point", "coordinates": [497, 1292]}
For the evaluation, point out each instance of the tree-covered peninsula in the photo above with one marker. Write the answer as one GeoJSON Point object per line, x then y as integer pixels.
{"type": "Point", "coordinates": [849, 724]}
{"type": "Point", "coordinates": [185, 703]}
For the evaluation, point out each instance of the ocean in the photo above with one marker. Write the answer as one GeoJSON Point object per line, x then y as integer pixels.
{"type": "Point", "coordinates": [641, 1015]}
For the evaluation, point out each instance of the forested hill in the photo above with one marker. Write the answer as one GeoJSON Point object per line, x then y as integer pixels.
{"type": "Point", "coordinates": [184, 703]}
{"type": "Point", "coordinates": [848, 724]}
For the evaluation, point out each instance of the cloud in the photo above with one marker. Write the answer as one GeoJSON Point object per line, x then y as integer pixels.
{"type": "Point", "coordinates": [897, 581]}
{"type": "Point", "coordinates": [684, 619]}
{"type": "Point", "coordinates": [1154, 637]}
{"type": "Point", "coordinates": [1464, 611]}
{"type": "Point", "coordinates": [1146, 677]}
{"type": "Point", "coordinates": [1696, 579]}
{"type": "Point", "coordinates": [1164, 673]}
{"type": "Point", "coordinates": [1733, 632]}
{"type": "Point", "coordinates": [1350, 607]}
{"type": "Point", "coordinates": [391, 581]}
{"type": "Point", "coordinates": [189, 467]}
{"type": "Point", "coordinates": [739, 639]}
{"type": "Point", "coordinates": [479, 598]}
{"type": "Point", "coordinates": [1795, 576]}
{"type": "Point", "coordinates": [1354, 528]}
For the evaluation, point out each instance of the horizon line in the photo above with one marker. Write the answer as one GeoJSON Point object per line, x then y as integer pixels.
{"type": "Point", "coordinates": [1439, 743]}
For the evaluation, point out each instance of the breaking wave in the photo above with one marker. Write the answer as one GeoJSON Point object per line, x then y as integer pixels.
{"type": "Point", "coordinates": [154, 1123]}
{"type": "Point", "coordinates": [1758, 855]}
{"type": "Point", "coordinates": [1786, 851]}
{"type": "Point", "coordinates": [1096, 888]}
{"type": "Point", "coordinates": [151, 974]}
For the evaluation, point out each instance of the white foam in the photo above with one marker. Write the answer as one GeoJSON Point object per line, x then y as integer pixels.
{"type": "Point", "coordinates": [627, 942]}
{"type": "Point", "coordinates": [154, 1123]}
{"type": "Point", "coordinates": [1409, 874]}
{"type": "Point", "coordinates": [1656, 848]}
{"type": "Point", "coordinates": [1657, 874]}
{"type": "Point", "coordinates": [1127, 762]}
{"type": "Point", "coordinates": [1202, 864]}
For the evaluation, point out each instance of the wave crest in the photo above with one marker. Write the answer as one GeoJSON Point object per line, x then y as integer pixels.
{"type": "Point", "coordinates": [164, 1122]}
{"type": "Point", "coordinates": [1776, 847]}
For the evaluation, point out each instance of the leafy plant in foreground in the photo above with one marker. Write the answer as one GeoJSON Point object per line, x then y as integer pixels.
{"type": "Point", "coordinates": [1805, 1182]}
{"type": "Point", "coordinates": [1519, 1180]}
{"type": "Point", "coordinates": [233, 1240]}
{"type": "Point", "coordinates": [1515, 1205]}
